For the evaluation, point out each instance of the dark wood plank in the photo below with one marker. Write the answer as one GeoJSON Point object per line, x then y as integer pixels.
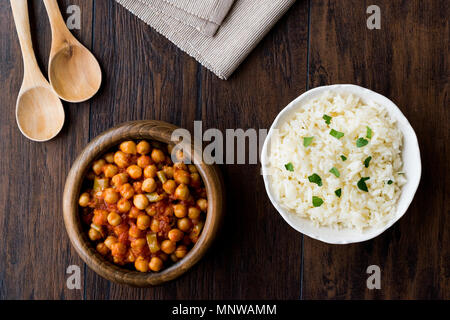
{"type": "Point", "coordinates": [36, 250]}
{"type": "Point", "coordinates": [258, 256]}
{"type": "Point", "coordinates": [149, 78]}
{"type": "Point", "coordinates": [146, 77]}
{"type": "Point", "coordinates": [407, 60]}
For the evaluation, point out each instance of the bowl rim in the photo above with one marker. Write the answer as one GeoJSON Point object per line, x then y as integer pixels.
{"type": "Point", "coordinates": [143, 129]}
{"type": "Point", "coordinates": [408, 133]}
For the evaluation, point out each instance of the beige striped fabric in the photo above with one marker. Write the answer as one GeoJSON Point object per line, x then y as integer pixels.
{"type": "Point", "coordinates": [217, 33]}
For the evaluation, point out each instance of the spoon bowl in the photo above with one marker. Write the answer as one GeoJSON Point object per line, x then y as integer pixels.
{"type": "Point", "coordinates": [74, 73]}
{"type": "Point", "coordinates": [39, 114]}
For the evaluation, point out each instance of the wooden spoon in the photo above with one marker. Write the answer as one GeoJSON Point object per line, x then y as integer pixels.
{"type": "Point", "coordinates": [39, 112]}
{"type": "Point", "coordinates": [73, 70]}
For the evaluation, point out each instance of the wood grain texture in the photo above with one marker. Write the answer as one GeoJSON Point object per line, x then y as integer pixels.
{"type": "Point", "coordinates": [257, 255]}
{"type": "Point", "coordinates": [37, 252]}
{"type": "Point", "coordinates": [404, 61]}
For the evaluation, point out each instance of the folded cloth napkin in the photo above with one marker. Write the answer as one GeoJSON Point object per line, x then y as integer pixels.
{"type": "Point", "coordinates": [217, 33]}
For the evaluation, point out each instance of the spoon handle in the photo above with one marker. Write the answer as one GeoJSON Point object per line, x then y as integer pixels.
{"type": "Point", "coordinates": [57, 24]}
{"type": "Point", "coordinates": [21, 19]}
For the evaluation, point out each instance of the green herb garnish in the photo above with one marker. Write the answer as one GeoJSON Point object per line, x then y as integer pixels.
{"type": "Point", "coordinates": [369, 133]}
{"type": "Point", "coordinates": [317, 202]}
{"type": "Point", "coordinates": [289, 167]}
{"type": "Point", "coordinates": [338, 192]}
{"type": "Point", "coordinates": [307, 141]}
{"type": "Point", "coordinates": [390, 182]}
{"type": "Point", "coordinates": [336, 134]}
{"type": "Point", "coordinates": [367, 161]}
{"type": "Point", "coordinates": [335, 172]}
{"type": "Point", "coordinates": [343, 158]}
{"type": "Point", "coordinates": [362, 184]}
{"type": "Point", "coordinates": [327, 119]}
{"type": "Point", "coordinates": [361, 142]}
{"type": "Point", "coordinates": [315, 178]}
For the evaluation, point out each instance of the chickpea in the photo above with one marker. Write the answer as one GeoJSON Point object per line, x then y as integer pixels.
{"type": "Point", "coordinates": [182, 192]}
{"type": "Point", "coordinates": [119, 179]}
{"type": "Point", "coordinates": [128, 147]}
{"type": "Point", "coordinates": [126, 191]}
{"type": "Point", "coordinates": [150, 171]}
{"type": "Point", "coordinates": [94, 235]}
{"type": "Point", "coordinates": [155, 264]}
{"type": "Point", "coordinates": [130, 257]}
{"type": "Point", "coordinates": [169, 186]}
{"type": "Point", "coordinates": [97, 167]}
{"type": "Point", "coordinates": [192, 168]}
{"type": "Point", "coordinates": [134, 232]}
{"type": "Point", "coordinates": [154, 226]}
{"type": "Point", "coordinates": [138, 244]}
{"type": "Point", "coordinates": [181, 177]}
{"type": "Point", "coordinates": [143, 147]}
{"type": "Point", "coordinates": [149, 185]}
{"type": "Point", "coordinates": [180, 210]}
{"type": "Point", "coordinates": [143, 221]}
{"type": "Point", "coordinates": [109, 241]}
{"type": "Point", "coordinates": [168, 171]}
{"type": "Point", "coordinates": [144, 161]}
{"type": "Point", "coordinates": [109, 157]}
{"type": "Point", "coordinates": [118, 249]}
{"type": "Point", "coordinates": [184, 224]}
{"type": "Point", "coordinates": [140, 201]}
{"type": "Point", "coordinates": [181, 251]}
{"type": "Point", "coordinates": [202, 204]}
{"type": "Point", "coordinates": [151, 210]}
{"type": "Point", "coordinates": [196, 181]}
{"type": "Point", "coordinates": [102, 249]}
{"type": "Point", "coordinates": [141, 264]}
{"type": "Point", "coordinates": [84, 199]}
{"type": "Point", "coordinates": [110, 170]}
{"type": "Point", "coordinates": [158, 156]}
{"type": "Point", "coordinates": [123, 205]}
{"type": "Point", "coordinates": [114, 219]}
{"type": "Point", "coordinates": [175, 235]}
{"type": "Point", "coordinates": [134, 171]}
{"type": "Point", "coordinates": [194, 213]}
{"type": "Point", "coordinates": [168, 246]}
{"type": "Point", "coordinates": [120, 159]}
{"type": "Point", "coordinates": [110, 196]}
{"type": "Point", "coordinates": [135, 212]}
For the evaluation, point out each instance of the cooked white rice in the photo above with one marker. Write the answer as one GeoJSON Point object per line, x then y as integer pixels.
{"type": "Point", "coordinates": [351, 116]}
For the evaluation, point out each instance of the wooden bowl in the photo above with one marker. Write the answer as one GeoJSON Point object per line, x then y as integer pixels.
{"type": "Point", "coordinates": [152, 130]}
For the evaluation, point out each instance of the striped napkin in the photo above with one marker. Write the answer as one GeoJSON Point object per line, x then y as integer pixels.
{"type": "Point", "coordinates": [217, 33]}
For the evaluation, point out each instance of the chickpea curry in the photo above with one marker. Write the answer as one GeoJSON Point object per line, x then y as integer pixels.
{"type": "Point", "coordinates": [142, 209]}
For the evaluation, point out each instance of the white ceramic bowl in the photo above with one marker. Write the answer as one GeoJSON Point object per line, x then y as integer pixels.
{"type": "Point", "coordinates": [411, 166]}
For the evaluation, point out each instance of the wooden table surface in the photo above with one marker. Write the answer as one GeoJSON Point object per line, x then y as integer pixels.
{"type": "Point", "coordinates": [257, 255]}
